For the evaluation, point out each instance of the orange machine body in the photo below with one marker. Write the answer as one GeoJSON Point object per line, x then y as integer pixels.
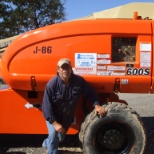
{"type": "Point", "coordinates": [92, 46]}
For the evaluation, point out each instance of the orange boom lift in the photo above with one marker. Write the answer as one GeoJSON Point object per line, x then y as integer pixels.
{"type": "Point", "coordinates": [112, 55]}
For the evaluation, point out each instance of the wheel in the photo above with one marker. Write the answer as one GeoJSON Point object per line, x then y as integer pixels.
{"type": "Point", "coordinates": [120, 131]}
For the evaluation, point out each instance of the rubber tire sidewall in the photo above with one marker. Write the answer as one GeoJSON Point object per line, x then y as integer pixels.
{"type": "Point", "coordinates": [129, 120]}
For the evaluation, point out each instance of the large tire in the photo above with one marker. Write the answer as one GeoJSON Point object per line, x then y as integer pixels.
{"type": "Point", "coordinates": [120, 131]}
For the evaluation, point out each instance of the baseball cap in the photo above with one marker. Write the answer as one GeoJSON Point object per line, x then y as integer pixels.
{"type": "Point", "coordinates": [64, 61]}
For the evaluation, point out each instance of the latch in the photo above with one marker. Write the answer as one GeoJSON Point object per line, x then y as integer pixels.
{"type": "Point", "coordinates": [116, 87]}
{"type": "Point", "coordinates": [34, 83]}
{"type": "Point", "coordinates": [34, 92]}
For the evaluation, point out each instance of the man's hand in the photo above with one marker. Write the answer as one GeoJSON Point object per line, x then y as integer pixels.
{"type": "Point", "coordinates": [58, 127]}
{"type": "Point", "coordinates": [100, 110]}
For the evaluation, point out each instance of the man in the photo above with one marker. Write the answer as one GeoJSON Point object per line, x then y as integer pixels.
{"type": "Point", "coordinates": [60, 99]}
{"type": "Point", "coordinates": [119, 56]}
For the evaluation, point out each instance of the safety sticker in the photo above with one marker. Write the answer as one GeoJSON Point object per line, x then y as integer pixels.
{"type": "Point", "coordinates": [103, 55]}
{"type": "Point", "coordinates": [145, 64]}
{"type": "Point", "coordinates": [103, 73]}
{"type": "Point", "coordinates": [85, 63]}
{"type": "Point", "coordinates": [145, 47]}
{"type": "Point", "coordinates": [101, 67]}
{"type": "Point", "coordinates": [111, 73]}
{"type": "Point", "coordinates": [118, 73]}
{"type": "Point", "coordinates": [118, 68]}
{"type": "Point", "coordinates": [145, 59]}
{"type": "Point", "coordinates": [103, 61]}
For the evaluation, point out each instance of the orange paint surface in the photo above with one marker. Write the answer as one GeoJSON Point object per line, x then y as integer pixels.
{"type": "Point", "coordinates": [31, 60]}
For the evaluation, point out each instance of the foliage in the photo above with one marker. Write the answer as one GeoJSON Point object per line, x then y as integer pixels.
{"type": "Point", "coordinates": [19, 16]}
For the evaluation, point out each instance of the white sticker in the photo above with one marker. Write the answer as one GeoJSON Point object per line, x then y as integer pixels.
{"type": "Point", "coordinates": [103, 56]}
{"type": "Point", "coordinates": [116, 68]}
{"type": "Point", "coordinates": [118, 74]}
{"type": "Point", "coordinates": [124, 81]}
{"type": "Point", "coordinates": [85, 63]}
{"type": "Point", "coordinates": [84, 70]}
{"type": "Point", "coordinates": [99, 67]}
{"type": "Point", "coordinates": [103, 61]}
{"type": "Point", "coordinates": [145, 57]}
{"type": "Point", "coordinates": [103, 73]}
{"type": "Point", "coordinates": [145, 64]}
{"type": "Point", "coordinates": [145, 47]}
{"type": "Point", "coordinates": [110, 73]}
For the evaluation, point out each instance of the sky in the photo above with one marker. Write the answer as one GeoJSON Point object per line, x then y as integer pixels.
{"type": "Point", "coordinates": [80, 8]}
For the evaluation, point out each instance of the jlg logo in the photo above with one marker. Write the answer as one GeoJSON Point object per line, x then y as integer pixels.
{"type": "Point", "coordinates": [138, 71]}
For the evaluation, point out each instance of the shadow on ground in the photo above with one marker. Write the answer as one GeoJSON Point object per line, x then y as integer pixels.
{"type": "Point", "coordinates": [19, 141]}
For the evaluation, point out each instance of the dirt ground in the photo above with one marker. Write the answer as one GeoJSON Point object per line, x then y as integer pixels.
{"type": "Point", "coordinates": [31, 144]}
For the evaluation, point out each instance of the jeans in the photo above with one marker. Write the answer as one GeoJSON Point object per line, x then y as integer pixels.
{"type": "Point", "coordinates": [52, 142]}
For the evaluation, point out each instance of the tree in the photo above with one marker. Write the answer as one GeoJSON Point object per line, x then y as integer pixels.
{"type": "Point", "coordinates": [19, 16]}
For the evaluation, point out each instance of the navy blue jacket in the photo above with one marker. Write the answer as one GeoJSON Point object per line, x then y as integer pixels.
{"type": "Point", "coordinates": [60, 100]}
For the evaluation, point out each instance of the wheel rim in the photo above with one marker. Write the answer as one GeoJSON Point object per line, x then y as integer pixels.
{"type": "Point", "coordinates": [114, 137]}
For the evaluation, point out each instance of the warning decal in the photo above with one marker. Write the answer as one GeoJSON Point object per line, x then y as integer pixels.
{"type": "Point", "coordinates": [85, 63]}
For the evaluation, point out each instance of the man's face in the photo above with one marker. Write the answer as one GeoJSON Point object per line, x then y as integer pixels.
{"type": "Point", "coordinates": [65, 72]}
